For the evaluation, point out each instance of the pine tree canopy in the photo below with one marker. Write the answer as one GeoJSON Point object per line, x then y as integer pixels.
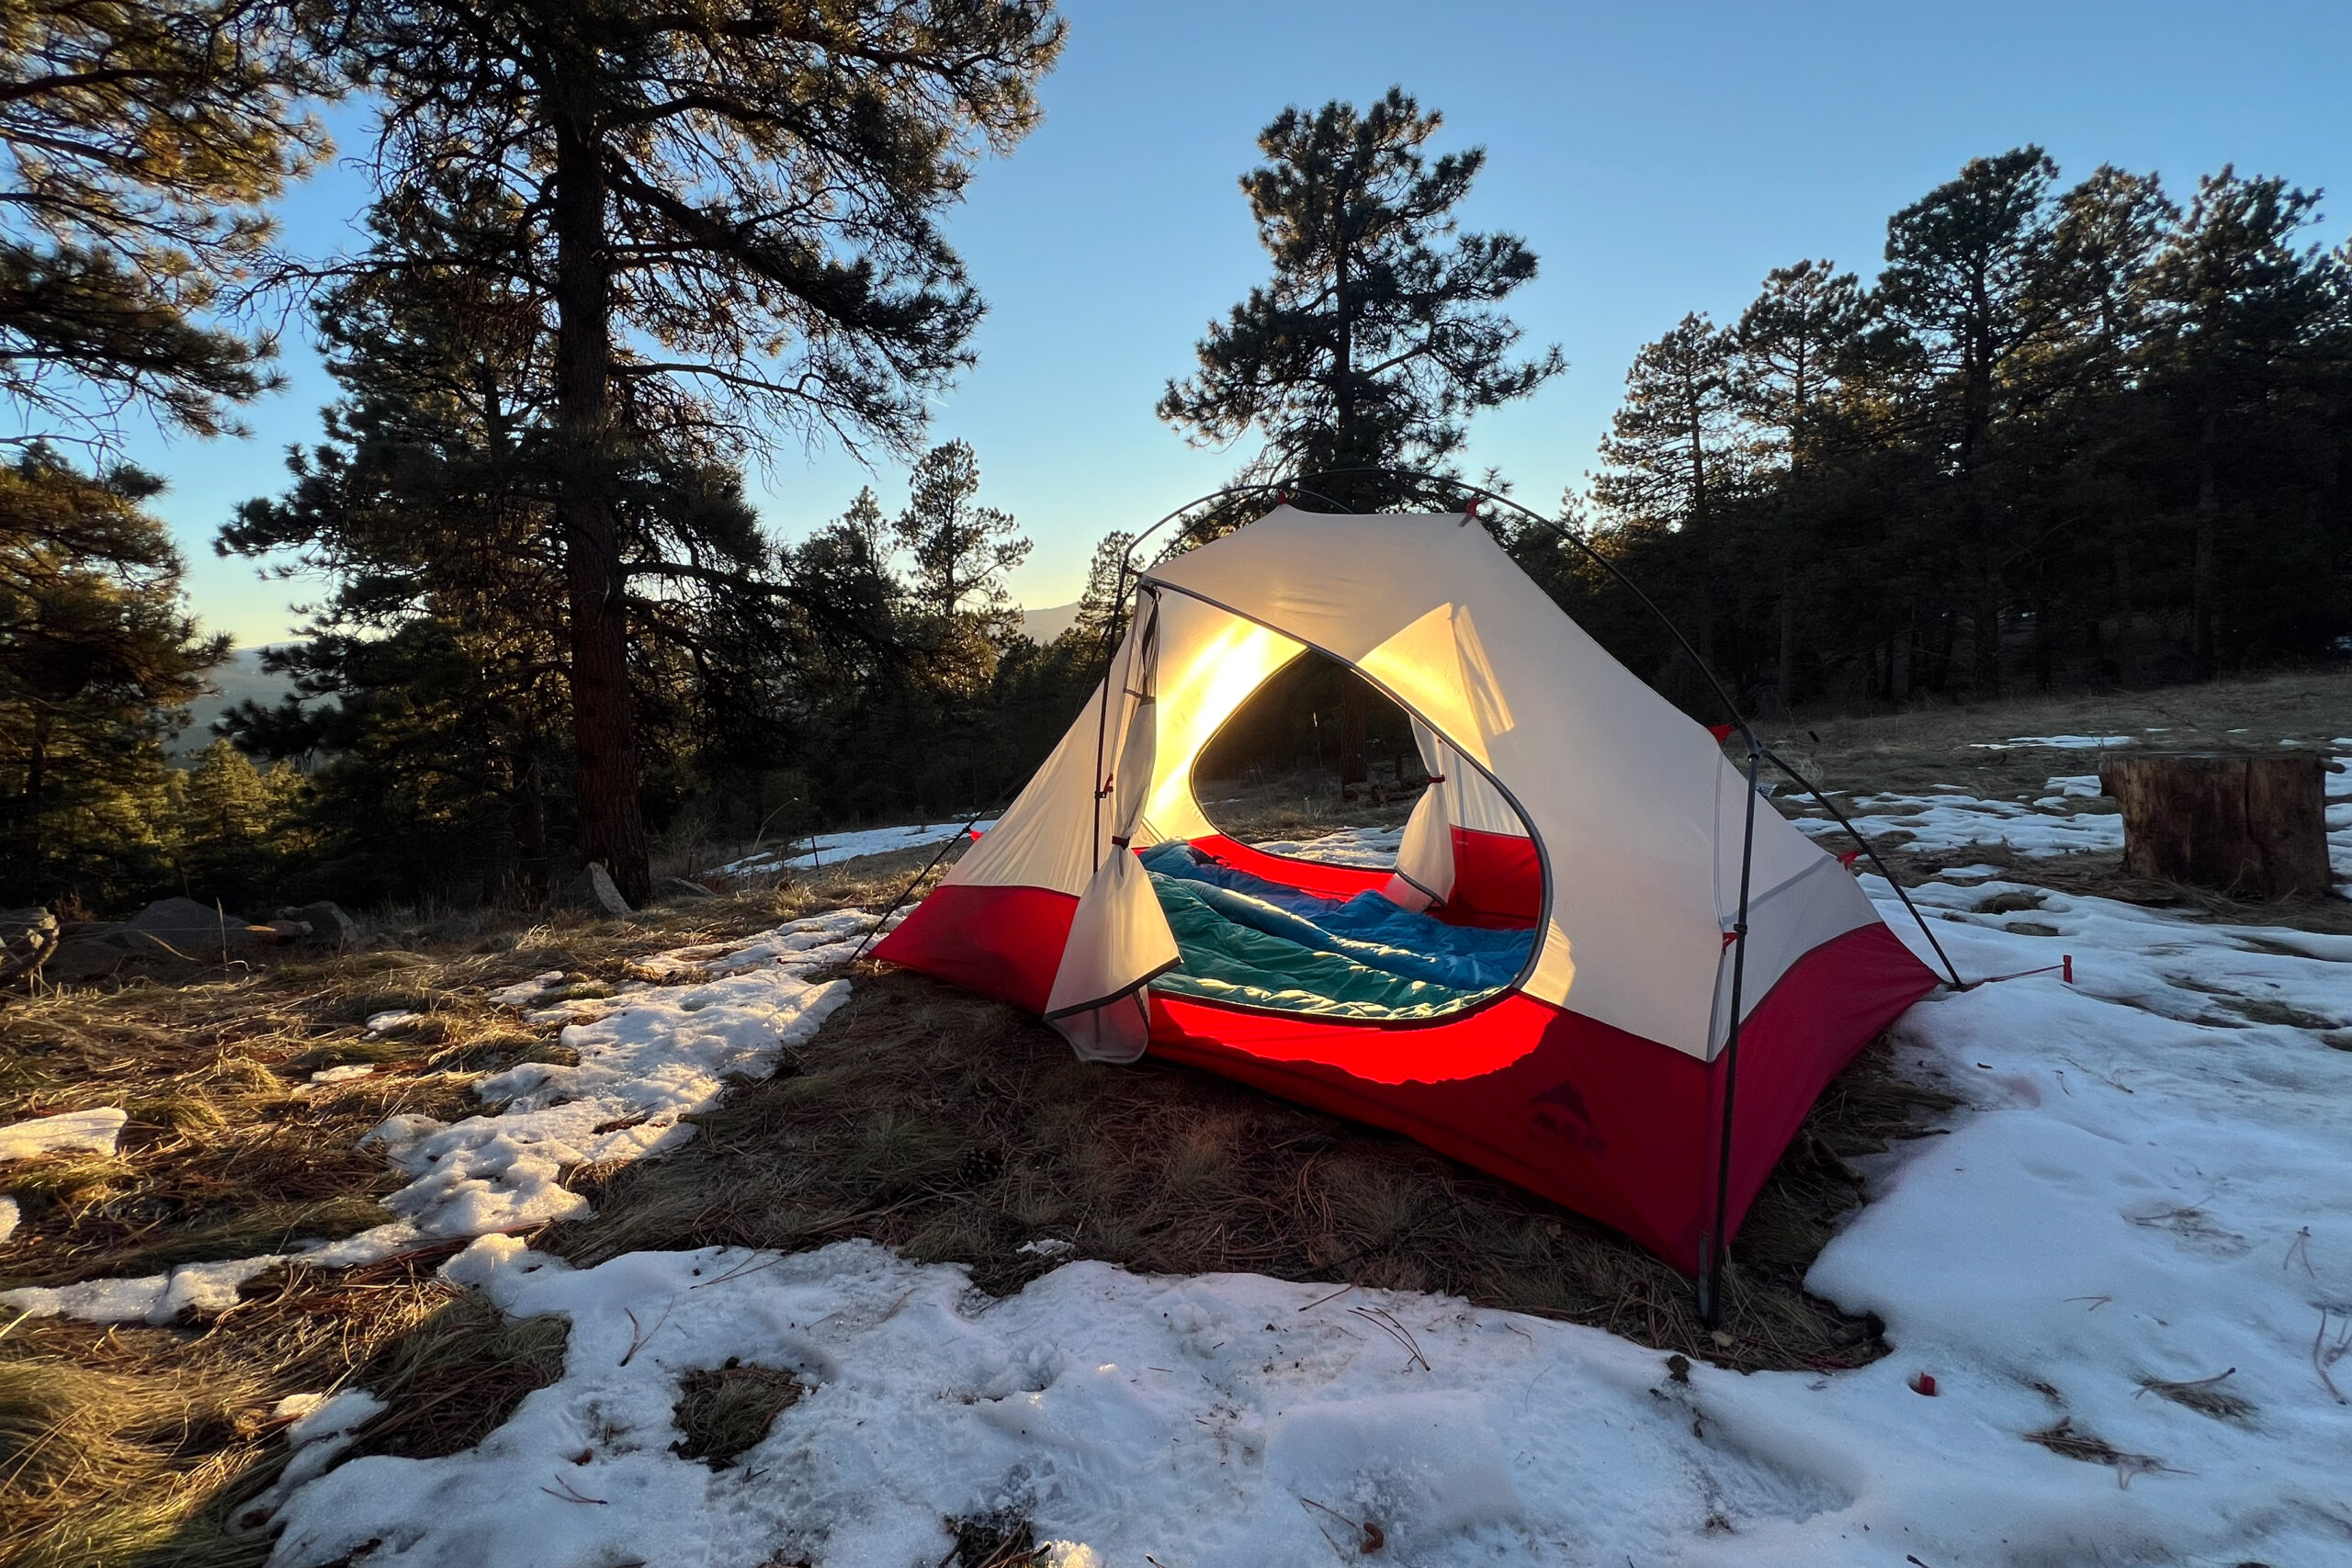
{"type": "Point", "coordinates": [138, 146]}
{"type": "Point", "coordinates": [97, 651]}
{"type": "Point", "coordinates": [732, 210]}
{"type": "Point", "coordinates": [1379, 335]}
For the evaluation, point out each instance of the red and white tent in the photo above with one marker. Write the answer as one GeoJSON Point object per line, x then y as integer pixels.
{"type": "Point", "coordinates": [1571, 799]}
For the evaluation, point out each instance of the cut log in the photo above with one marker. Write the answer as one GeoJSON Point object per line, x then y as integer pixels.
{"type": "Point", "coordinates": [2253, 827]}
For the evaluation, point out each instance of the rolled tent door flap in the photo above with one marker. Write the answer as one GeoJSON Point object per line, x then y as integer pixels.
{"type": "Point", "coordinates": [1119, 939]}
{"type": "Point", "coordinates": [1425, 854]}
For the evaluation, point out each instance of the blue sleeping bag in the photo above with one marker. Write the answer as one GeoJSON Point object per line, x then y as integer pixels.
{"type": "Point", "coordinates": [1246, 939]}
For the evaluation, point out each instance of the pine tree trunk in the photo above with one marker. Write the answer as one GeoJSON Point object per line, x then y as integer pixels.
{"type": "Point", "coordinates": [604, 723]}
{"type": "Point", "coordinates": [1353, 707]}
{"type": "Point", "coordinates": [2123, 614]}
{"type": "Point", "coordinates": [1788, 664]}
{"type": "Point", "coordinates": [36, 784]}
{"type": "Point", "coordinates": [2209, 530]}
{"type": "Point", "coordinates": [2254, 826]}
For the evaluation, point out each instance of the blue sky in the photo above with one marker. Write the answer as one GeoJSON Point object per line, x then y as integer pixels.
{"type": "Point", "coordinates": [1659, 158]}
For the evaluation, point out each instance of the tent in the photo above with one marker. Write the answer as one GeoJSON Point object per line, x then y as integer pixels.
{"type": "Point", "coordinates": [1576, 824]}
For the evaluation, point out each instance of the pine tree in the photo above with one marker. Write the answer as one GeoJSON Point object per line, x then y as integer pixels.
{"type": "Point", "coordinates": [1788, 346]}
{"type": "Point", "coordinates": [96, 653]}
{"type": "Point", "coordinates": [1378, 335]}
{"type": "Point", "coordinates": [431, 510]}
{"type": "Point", "coordinates": [1968, 281]}
{"type": "Point", "coordinates": [138, 146]}
{"type": "Point", "coordinates": [755, 192]}
{"type": "Point", "coordinates": [1100, 602]}
{"type": "Point", "coordinates": [960, 550]}
{"type": "Point", "coordinates": [2246, 320]}
{"type": "Point", "coordinates": [1674, 452]}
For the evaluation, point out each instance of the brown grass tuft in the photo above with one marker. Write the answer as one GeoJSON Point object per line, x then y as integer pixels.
{"type": "Point", "coordinates": [725, 1411]}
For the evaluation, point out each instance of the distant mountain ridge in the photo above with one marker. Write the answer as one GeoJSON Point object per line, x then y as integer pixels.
{"type": "Point", "coordinates": [240, 678]}
{"type": "Point", "coordinates": [1044, 626]}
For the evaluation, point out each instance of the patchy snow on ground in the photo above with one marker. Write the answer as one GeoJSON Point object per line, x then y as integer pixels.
{"type": "Point", "coordinates": [652, 1054]}
{"type": "Point", "coordinates": [831, 849]}
{"type": "Point", "coordinates": [2057, 742]}
{"type": "Point", "coordinates": [1348, 846]}
{"type": "Point", "coordinates": [2127, 1264]}
{"type": "Point", "coordinates": [1953, 820]}
{"type": "Point", "coordinates": [71, 1133]}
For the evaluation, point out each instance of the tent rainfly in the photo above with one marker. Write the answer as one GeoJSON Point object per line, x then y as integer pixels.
{"type": "Point", "coordinates": [1568, 802]}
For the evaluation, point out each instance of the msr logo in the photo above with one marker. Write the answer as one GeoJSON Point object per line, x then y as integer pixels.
{"type": "Point", "coordinates": [1560, 1111]}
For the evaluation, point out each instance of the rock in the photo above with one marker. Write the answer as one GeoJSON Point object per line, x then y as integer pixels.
{"type": "Point", "coordinates": [327, 921]}
{"type": "Point", "coordinates": [593, 890]}
{"type": "Point", "coordinates": [183, 929]}
{"type": "Point", "coordinates": [28, 938]}
{"type": "Point", "coordinates": [680, 887]}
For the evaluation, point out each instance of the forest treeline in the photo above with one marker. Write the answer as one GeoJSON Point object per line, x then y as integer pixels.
{"type": "Point", "coordinates": [2071, 435]}
{"type": "Point", "coordinates": [614, 258]}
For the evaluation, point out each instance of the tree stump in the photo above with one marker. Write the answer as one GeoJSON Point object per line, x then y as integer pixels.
{"type": "Point", "coordinates": [2253, 827]}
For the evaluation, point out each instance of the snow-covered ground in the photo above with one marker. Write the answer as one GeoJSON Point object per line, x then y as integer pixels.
{"type": "Point", "coordinates": [1348, 846]}
{"type": "Point", "coordinates": [2149, 1200]}
{"type": "Point", "coordinates": [648, 1055]}
{"type": "Point", "coordinates": [2133, 1244]}
{"type": "Point", "coordinates": [2045, 826]}
{"type": "Point", "coordinates": [1954, 819]}
{"type": "Point", "coordinates": [831, 849]}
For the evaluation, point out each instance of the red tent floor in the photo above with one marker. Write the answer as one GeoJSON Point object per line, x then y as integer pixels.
{"type": "Point", "coordinates": [1605, 1123]}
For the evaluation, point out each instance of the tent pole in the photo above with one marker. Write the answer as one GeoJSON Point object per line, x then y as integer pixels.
{"type": "Point", "coordinates": [1715, 1243]}
{"type": "Point", "coordinates": [1110, 647]}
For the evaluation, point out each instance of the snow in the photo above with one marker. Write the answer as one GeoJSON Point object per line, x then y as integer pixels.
{"type": "Point", "coordinates": [2147, 1186]}
{"type": "Point", "coordinates": [1952, 820]}
{"type": "Point", "coordinates": [523, 993]}
{"type": "Point", "coordinates": [73, 1132]}
{"type": "Point", "coordinates": [1348, 846]}
{"type": "Point", "coordinates": [658, 1054]}
{"type": "Point", "coordinates": [2057, 742]}
{"type": "Point", "coordinates": [831, 849]}
{"type": "Point", "coordinates": [349, 1072]}
{"type": "Point", "coordinates": [378, 1023]}
{"type": "Point", "coordinates": [7, 1219]}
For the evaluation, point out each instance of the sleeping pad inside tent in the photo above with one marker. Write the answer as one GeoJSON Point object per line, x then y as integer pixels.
{"type": "Point", "coordinates": [1600, 967]}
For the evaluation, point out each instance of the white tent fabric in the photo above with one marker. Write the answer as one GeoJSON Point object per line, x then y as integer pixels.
{"type": "Point", "coordinates": [1424, 851]}
{"type": "Point", "coordinates": [1634, 810]}
{"type": "Point", "coordinates": [1119, 939]}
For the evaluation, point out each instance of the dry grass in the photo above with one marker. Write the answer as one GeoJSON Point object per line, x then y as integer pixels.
{"type": "Point", "coordinates": [958, 1130]}
{"type": "Point", "coordinates": [725, 1411]}
{"type": "Point", "coordinates": [993, 1540]}
{"type": "Point", "coordinates": [135, 1445]}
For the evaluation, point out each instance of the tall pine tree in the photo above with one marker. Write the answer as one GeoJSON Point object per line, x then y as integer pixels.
{"type": "Point", "coordinates": [1379, 334]}
{"type": "Point", "coordinates": [754, 191]}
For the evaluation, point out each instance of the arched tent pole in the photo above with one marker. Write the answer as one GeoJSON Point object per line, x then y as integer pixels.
{"type": "Point", "coordinates": [1712, 1243]}
{"type": "Point", "coordinates": [1740, 722]}
{"type": "Point", "coordinates": [1111, 630]}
